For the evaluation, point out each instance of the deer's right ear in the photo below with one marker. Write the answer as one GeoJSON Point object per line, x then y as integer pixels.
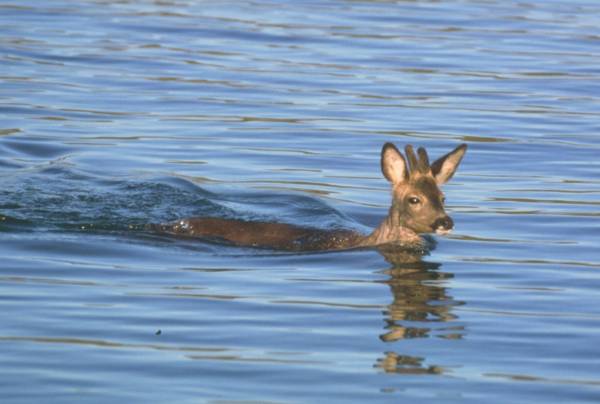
{"type": "Point", "coordinates": [444, 168]}
{"type": "Point", "coordinates": [393, 165]}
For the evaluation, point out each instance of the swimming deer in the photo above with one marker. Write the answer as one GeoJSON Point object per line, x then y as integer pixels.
{"type": "Point", "coordinates": [417, 208]}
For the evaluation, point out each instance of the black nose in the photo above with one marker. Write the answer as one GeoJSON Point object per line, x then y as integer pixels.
{"type": "Point", "coordinates": [443, 223]}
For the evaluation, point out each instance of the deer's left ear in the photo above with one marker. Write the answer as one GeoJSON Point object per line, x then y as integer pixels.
{"type": "Point", "coordinates": [393, 165]}
{"type": "Point", "coordinates": [444, 168]}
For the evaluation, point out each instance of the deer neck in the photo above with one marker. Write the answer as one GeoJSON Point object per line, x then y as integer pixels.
{"type": "Point", "coordinates": [391, 231]}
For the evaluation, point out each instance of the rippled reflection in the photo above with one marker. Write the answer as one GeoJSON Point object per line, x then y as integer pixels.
{"type": "Point", "coordinates": [405, 364]}
{"type": "Point", "coordinates": [420, 308]}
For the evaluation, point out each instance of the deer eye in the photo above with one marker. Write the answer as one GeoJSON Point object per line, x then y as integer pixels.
{"type": "Point", "coordinates": [413, 200]}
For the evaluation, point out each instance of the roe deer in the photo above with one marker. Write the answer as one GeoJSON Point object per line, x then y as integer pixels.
{"type": "Point", "coordinates": [417, 208]}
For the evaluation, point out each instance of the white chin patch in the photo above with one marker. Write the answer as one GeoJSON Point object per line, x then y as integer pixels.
{"type": "Point", "coordinates": [442, 232]}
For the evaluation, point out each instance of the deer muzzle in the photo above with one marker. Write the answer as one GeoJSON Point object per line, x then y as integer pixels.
{"type": "Point", "coordinates": [443, 225]}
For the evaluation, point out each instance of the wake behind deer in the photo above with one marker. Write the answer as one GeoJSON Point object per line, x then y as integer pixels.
{"type": "Point", "coordinates": [417, 208]}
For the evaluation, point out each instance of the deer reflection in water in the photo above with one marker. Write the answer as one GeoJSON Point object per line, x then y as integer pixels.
{"type": "Point", "coordinates": [420, 305]}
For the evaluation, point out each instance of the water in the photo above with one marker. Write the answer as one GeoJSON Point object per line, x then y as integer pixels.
{"type": "Point", "coordinates": [118, 114]}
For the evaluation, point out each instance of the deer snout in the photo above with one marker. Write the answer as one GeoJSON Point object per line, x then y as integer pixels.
{"type": "Point", "coordinates": [443, 225]}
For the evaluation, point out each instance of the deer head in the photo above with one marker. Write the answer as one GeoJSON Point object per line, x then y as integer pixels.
{"type": "Point", "coordinates": [418, 202]}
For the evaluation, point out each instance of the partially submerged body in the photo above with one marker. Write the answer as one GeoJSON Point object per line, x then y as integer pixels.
{"type": "Point", "coordinates": [286, 237]}
{"type": "Point", "coordinates": [276, 236]}
{"type": "Point", "coordinates": [417, 207]}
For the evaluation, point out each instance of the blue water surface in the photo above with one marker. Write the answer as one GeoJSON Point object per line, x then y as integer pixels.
{"type": "Point", "coordinates": [116, 114]}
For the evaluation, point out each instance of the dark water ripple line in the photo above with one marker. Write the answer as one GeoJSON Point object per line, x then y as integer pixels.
{"type": "Point", "coordinates": [61, 281]}
{"type": "Point", "coordinates": [47, 112]}
{"type": "Point", "coordinates": [181, 295]}
{"type": "Point", "coordinates": [533, 314]}
{"type": "Point", "coordinates": [551, 191]}
{"type": "Point", "coordinates": [526, 212]}
{"type": "Point", "coordinates": [349, 306]}
{"type": "Point", "coordinates": [543, 201]}
{"type": "Point", "coordinates": [539, 379]}
{"type": "Point", "coordinates": [511, 262]}
{"type": "Point", "coordinates": [269, 360]}
{"type": "Point", "coordinates": [516, 241]}
{"type": "Point", "coordinates": [110, 344]}
{"type": "Point", "coordinates": [216, 353]}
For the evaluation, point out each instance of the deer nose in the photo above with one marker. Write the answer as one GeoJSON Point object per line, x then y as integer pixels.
{"type": "Point", "coordinates": [443, 224]}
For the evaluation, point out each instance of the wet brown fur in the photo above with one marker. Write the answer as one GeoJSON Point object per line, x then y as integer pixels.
{"type": "Point", "coordinates": [277, 236]}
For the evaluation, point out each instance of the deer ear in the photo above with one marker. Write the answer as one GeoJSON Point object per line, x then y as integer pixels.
{"type": "Point", "coordinates": [393, 165]}
{"type": "Point", "coordinates": [444, 168]}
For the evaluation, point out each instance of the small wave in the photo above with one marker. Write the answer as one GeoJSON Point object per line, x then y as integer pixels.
{"type": "Point", "coordinates": [59, 197]}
